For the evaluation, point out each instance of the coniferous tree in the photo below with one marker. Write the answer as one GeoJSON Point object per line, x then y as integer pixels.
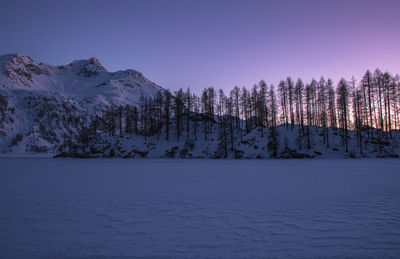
{"type": "Point", "coordinates": [262, 106]}
{"type": "Point", "coordinates": [273, 145]}
{"type": "Point", "coordinates": [308, 96]}
{"type": "Point", "coordinates": [120, 120]}
{"type": "Point", "coordinates": [245, 109]}
{"type": "Point", "coordinates": [229, 112]}
{"type": "Point", "coordinates": [167, 113]}
{"type": "Point", "coordinates": [158, 113]}
{"type": "Point", "coordinates": [188, 104]}
{"type": "Point", "coordinates": [128, 119]}
{"type": "Point", "coordinates": [314, 109]}
{"type": "Point", "coordinates": [135, 120]}
{"type": "Point", "coordinates": [395, 93]}
{"type": "Point", "coordinates": [387, 85]}
{"type": "Point", "coordinates": [204, 105]}
{"type": "Point", "coordinates": [358, 108]}
{"type": "Point", "coordinates": [299, 89]}
{"type": "Point", "coordinates": [378, 81]}
{"type": "Point", "coordinates": [290, 87]}
{"type": "Point", "coordinates": [322, 101]}
{"type": "Point", "coordinates": [331, 104]}
{"type": "Point", "coordinates": [235, 94]}
{"type": "Point", "coordinates": [282, 89]}
{"type": "Point", "coordinates": [196, 110]}
{"type": "Point", "coordinates": [367, 82]}
{"type": "Point", "coordinates": [356, 98]}
{"type": "Point", "coordinates": [178, 112]}
{"type": "Point", "coordinates": [255, 119]}
{"type": "Point", "coordinates": [343, 102]}
{"type": "Point", "coordinates": [211, 106]}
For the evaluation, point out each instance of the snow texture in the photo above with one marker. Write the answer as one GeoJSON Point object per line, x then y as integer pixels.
{"type": "Point", "coordinates": [111, 208]}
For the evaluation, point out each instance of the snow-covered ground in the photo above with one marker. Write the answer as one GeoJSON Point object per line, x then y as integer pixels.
{"type": "Point", "coordinates": [204, 208]}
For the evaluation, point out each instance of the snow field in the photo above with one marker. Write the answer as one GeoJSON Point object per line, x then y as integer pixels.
{"type": "Point", "coordinates": [63, 208]}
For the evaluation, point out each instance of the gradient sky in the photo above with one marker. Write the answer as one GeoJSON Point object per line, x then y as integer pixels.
{"type": "Point", "coordinates": [209, 43]}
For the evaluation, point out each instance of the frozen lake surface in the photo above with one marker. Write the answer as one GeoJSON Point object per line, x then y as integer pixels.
{"type": "Point", "coordinates": [63, 208]}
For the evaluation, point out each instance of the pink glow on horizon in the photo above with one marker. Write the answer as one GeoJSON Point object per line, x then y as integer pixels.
{"type": "Point", "coordinates": [219, 43]}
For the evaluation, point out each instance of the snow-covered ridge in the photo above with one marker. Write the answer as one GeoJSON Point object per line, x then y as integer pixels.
{"type": "Point", "coordinates": [41, 104]}
{"type": "Point", "coordinates": [86, 67]}
{"type": "Point", "coordinates": [85, 79]}
{"type": "Point", "coordinates": [21, 69]}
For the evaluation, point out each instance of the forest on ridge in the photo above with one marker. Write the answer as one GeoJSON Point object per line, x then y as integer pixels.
{"type": "Point", "coordinates": [369, 107]}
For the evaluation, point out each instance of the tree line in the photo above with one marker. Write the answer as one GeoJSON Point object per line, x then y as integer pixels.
{"type": "Point", "coordinates": [370, 107]}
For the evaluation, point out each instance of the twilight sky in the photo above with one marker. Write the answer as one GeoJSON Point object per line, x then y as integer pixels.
{"type": "Point", "coordinates": [209, 43]}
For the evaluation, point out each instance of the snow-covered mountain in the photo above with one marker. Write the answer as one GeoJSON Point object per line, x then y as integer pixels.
{"type": "Point", "coordinates": [86, 81]}
{"type": "Point", "coordinates": [43, 100]}
{"type": "Point", "coordinates": [82, 110]}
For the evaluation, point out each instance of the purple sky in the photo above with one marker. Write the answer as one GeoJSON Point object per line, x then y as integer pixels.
{"type": "Point", "coordinates": [209, 43]}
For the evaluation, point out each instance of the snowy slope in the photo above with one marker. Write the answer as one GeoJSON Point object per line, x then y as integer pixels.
{"type": "Point", "coordinates": [250, 146]}
{"type": "Point", "coordinates": [40, 104]}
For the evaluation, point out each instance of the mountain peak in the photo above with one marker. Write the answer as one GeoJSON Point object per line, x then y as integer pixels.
{"type": "Point", "coordinates": [8, 56]}
{"type": "Point", "coordinates": [20, 68]}
{"type": "Point", "coordinates": [81, 79]}
{"type": "Point", "coordinates": [94, 60]}
{"type": "Point", "coordinates": [15, 59]}
{"type": "Point", "coordinates": [87, 67]}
